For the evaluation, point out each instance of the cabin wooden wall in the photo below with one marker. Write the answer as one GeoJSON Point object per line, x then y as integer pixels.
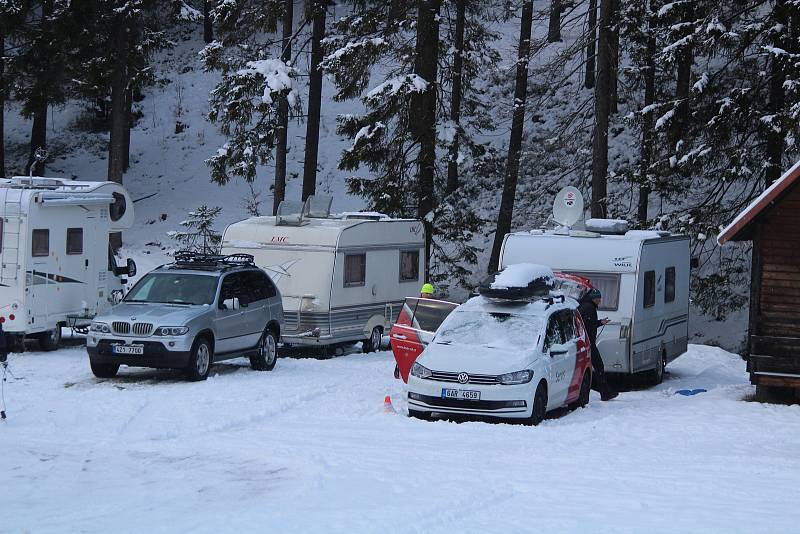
{"type": "Point", "coordinates": [775, 310]}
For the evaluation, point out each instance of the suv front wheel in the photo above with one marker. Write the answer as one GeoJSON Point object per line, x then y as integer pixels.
{"type": "Point", "coordinates": [267, 353]}
{"type": "Point", "coordinates": [200, 360]}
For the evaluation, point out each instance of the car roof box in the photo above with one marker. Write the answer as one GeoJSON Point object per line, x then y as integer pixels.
{"type": "Point", "coordinates": [518, 282]}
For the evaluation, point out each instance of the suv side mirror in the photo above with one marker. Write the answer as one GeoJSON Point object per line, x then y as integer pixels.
{"type": "Point", "coordinates": [230, 304]}
{"type": "Point", "coordinates": [558, 350]}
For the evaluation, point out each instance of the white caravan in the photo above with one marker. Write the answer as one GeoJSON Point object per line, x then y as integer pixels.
{"type": "Point", "coordinates": [55, 265]}
{"type": "Point", "coordinates": [343, 277]}
{"type": "Point", "coordinates": [643, 277]}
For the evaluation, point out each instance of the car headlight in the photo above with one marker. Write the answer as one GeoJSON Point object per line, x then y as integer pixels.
{"type": "Point", "coordinates": [420, 371]}
{"type": "Point", "coordinates": [171, 330]}
{"type": "Point", "coordinates": [519, 377]}
{"type": "Point", "coordinates": [100, 328]}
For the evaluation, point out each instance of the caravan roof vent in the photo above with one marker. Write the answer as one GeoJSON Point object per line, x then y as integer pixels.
{"type": "Point", "coordinates": [318, 206]}
{"type": "Point", "coordinates": [290, 213]}
{"type": "Point", "coordinates": [607, 226]}
{"type": "Point", "coordinates": [366, 215]}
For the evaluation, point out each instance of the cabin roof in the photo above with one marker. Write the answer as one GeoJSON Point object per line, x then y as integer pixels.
{"type": "Point", "coordinates": [739, 228]}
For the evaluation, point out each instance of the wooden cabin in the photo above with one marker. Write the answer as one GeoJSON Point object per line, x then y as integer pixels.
{"type": "Point", "coordinates": [772, 223]}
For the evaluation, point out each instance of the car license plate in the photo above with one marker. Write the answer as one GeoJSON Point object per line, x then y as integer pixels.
{"type": "Point", "coordinates": [136, 350]}
{"type": "Point", "coordinates": [460, 394]}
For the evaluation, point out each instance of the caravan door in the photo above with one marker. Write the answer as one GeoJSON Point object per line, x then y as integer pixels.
{"type": "Point", "coordinates": [37, 288]}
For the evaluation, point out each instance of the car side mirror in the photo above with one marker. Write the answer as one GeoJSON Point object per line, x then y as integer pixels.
{"type": "Point", "coordinates": [230, 304]}
{"type": "Point", "coordinates": [558, 350]}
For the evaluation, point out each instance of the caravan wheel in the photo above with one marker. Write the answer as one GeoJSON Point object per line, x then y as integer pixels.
{"type": "Point", "coordinates": [656, 376]}
{"type": "Point", "coordinates": [374, 342]}
{"type": "Point", "coordinates": [51, 339]}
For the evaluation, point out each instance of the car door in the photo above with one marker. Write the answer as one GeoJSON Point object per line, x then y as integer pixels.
{"type": "Point", "coordinates": [415, 328]}
{"type": "Point", "coordinates": [230, 324]}
{"type": "Point", "coordinates": [557, 356]}
{"type": "Point", "coordinates": [257, 310]}
{"type": "Point", "coordinates": [569, 362]}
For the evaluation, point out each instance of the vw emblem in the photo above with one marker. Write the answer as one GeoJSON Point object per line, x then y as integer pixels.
{"type": "Point", "coordinates": [463, 378]}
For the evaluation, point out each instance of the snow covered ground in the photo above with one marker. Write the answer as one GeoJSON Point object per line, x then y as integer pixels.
{"type": "Point", "coordinates": [309, 448]}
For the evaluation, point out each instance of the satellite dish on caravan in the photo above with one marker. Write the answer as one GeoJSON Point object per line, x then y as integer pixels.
{"type": "Point", "coordinates": [568, 206]}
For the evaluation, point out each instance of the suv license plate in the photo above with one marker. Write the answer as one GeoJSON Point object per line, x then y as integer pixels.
{"type": "Point", "coordinates": [136, 350]}
{"type": "Point", "coordinates": [460, 394]}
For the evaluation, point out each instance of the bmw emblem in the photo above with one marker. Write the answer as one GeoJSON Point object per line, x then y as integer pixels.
{"type": "Point", "coordinates": [133, 318]}
{"type": "Point", "coordinates": [463, 378]}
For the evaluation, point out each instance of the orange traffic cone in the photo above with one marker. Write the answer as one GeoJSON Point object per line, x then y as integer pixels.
{"type": "Point", "coordinates": [387, 404]}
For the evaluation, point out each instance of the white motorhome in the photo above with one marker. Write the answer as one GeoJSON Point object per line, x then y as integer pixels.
{"type": "Point", "coordinates": [56, 268]}
{"type": "Point", "coordinates": [343, 277]}
{"type": "Point", "coordinates": [643, 277]}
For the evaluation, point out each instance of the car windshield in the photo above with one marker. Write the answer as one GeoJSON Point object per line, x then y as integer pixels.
{"type": "Point", "coordinates": [494, 330]}
{"type": "Point", "coordinates": [174, 288]}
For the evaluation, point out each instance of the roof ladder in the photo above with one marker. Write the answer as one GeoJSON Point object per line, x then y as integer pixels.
{"type": "Point", "coordinates": [11, 235]}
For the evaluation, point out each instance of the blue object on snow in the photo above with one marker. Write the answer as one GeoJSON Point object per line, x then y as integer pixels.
{"type": "Point", "coordinates": [690, 392]}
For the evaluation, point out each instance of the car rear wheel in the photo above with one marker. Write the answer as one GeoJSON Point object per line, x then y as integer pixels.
{"type": "Point", "coordinates": [267, 355]}
{"type": "Point", "coordinates": [104, 370]}
{"type": "Point", "coordinates": [373, 343]}
{"type": "Point", "coordinates": [586, 388]}
{"type": "Point", "coordinates": [539, 404]}
{"type": "Point", "coordinates": [51, 339]}
{"type": "Point", "coordinates": [200, 360]}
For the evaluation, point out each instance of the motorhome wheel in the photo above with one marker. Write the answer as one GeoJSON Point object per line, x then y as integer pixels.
{"type": "Point", "coordinates": [267, 355]}
{"type": "Point", "coordinates": [200, 360]}
{"type": "Point", "coordinates": [373, 343]}
{"type": "Point", "coordinates": [51, 339]}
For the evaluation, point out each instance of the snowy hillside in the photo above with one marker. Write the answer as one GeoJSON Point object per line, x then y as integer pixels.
{"type": "Point", "coordinates": [309, 448]}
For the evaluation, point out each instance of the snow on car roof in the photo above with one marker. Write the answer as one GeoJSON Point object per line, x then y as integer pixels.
{"type": "Point", "coordinates": [520, 275]}
{"type": "Point", "coordinates": [533, 308]}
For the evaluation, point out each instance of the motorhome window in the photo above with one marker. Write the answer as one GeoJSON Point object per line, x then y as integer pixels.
{"type": "Point", "coordinates": [669, 284]}
{"type": "Point", "coordinates": [174, 288]}
{"type": "Point", "coordinates": [40, 245]}
{"type": "Point", "coordinates": [74, 240]}
{"type": "Point", "coordinates": [649, 289]}
{"type": "Point", "coordinates": [355, 270]}
{"type": "Point", "coordinates": [429, 314]}
{"type": "Point", "coordinates": [117, 208]}
{"type": "Point", "coordinates": [608, 284]}
{"type": "Point", "coordinates": [409, 265]}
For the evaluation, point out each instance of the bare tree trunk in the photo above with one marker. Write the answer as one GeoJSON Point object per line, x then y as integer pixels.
{"type": "Point", "coordinates": [515, 142]}
{"type": "Point", "coordinates": [2, 104]}
{"type": "Point", "coordinates": [554, 28]}
{"type": "Point", "coordinates": [591, 44]}
{"type": "Point", "coordinates": [776, 97]}
{"type": "Point", "coordinates": [281, 147]}
{"type": "Point", "coordinates": [126, 140]}
{"type": "Point", "coordinates": [39, 127]}
{"type": "Point", "coordinates": [602, 97]}
{"type": "Point", "coordinates": [614, 56]}
{"type": "Point", "coordinates": [455, 102]}
{"type": "Point", "coordinates": [119, 119]}
{"type": "Point", "coordinates": [319, 8]}
{"type": "Point", "coordinates": [208, 25]}
{"type": "Point", "coordinates": [647, 120]}
{"type": "Point", "coordinates": [423, 109]}
{"type": "Point", "coordinates": [684, 77]}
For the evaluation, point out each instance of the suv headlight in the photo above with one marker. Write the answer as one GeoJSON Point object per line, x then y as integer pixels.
{"type": "Point", "coordinates": [519, 377]}
{"type": "Point", "coordinates": [171, 330]}
{"type": "Point", "coordinates": [420, 371]}
{"type": "Point", "coordinates": [100, 328]}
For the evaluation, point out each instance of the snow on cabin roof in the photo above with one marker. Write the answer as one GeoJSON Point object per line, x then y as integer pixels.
{"type": "Point", "coordinates": [734, 231]}
{"type": "Point", "coordinates": [630, 235]}
{"type": "Point", "coordinates": [51, 184]}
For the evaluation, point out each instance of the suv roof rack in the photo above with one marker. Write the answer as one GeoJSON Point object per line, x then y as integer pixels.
{"type": "Point", "coordinates": [189, 258]}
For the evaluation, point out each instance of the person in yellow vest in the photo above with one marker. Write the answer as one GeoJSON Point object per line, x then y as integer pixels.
{"type": "Point", "coordinates": [426, 292]}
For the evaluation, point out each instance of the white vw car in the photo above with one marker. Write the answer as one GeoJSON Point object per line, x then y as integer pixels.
{"type": "Point", "coordinates": [515, 359]}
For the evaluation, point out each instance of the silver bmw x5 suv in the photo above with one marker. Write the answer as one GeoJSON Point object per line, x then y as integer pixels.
{"type": "Point", "coordinates": [188, 315]}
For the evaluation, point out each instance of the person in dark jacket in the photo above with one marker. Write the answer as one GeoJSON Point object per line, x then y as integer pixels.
{"type": "Point", "coordinates": [588, 308]}
{"type": "Point", "coordinates": [3, 345]}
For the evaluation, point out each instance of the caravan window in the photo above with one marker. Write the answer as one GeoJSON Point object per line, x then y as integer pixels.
{"type": "Point", "coordinates": [40, 245]}
{"type": "Point", "coordinates": [649, 289]}
{"type": "Point", "coordinates": [74, 240]}
{"type": "Point", "coordinates": [669, 284]}
{"type": "Point", "coordinates": [409, 265]}
{"type": "Point", "coordinates": [608, 284]}
{"type": "Point", "coordinates": [355, 270]}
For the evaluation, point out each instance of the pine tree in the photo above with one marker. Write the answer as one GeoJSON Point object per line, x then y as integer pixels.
{"type": "Point", "coordinates": [199, 234]}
